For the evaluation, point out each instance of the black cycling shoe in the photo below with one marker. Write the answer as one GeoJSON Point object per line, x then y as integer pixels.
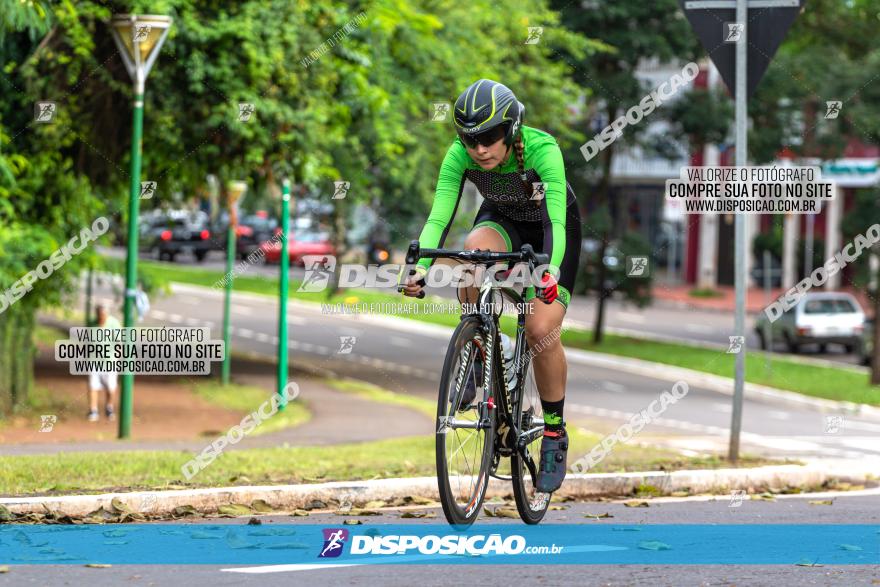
{"type": "Point", "coordinates": [470, 386]}
{"type": "Point", "coordinates": [554, 448]}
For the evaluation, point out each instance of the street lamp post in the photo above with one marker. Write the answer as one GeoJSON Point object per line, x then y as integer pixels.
{"type": "Point", "coordinates": [234, 192]}
{"type": "Point", "coordinates": [139, 39]}
{"type": "Point", "coordinates": [283, 277]}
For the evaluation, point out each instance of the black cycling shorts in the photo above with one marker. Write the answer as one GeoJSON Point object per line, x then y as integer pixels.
{"type": "Point", "coordinates": [517, 233]}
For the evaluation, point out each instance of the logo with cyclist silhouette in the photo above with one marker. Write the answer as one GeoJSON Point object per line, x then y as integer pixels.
{"type": "Point", "coordinates": [319, 269]}
{"type": "Point", "coordinates": [334, 542]}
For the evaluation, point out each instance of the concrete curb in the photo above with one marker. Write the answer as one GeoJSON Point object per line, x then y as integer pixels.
{"type": "Point", "coordinates": [290, 497]}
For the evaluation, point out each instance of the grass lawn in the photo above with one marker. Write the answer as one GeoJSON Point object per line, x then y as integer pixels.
{"type": "Point", "coordinates": [403, 457]}
{"type": "Point", "coordinates": [248, 398]}
{"type": "Point", "coordinates": [818, 381]}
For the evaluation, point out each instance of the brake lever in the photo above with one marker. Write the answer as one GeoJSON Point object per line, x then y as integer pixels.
{"type": "Point", "coordinates": [412, 257]}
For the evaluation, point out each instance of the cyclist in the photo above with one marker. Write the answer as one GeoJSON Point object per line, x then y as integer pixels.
{"type": "Point", "coordinates": [520, 174]}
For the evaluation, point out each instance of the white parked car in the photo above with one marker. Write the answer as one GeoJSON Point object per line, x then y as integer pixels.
{"type": "Point", "coordinates": [819, 318]}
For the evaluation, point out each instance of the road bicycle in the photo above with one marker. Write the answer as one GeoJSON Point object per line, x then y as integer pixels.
{"type": "Point", "coordinates": [505, 419]}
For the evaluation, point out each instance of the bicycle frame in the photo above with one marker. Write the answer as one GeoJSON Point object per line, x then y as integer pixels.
{"type": "Point", "coordinates": [510, 403]}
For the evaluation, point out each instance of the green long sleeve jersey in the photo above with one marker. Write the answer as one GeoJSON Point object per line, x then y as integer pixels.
{"type": "Point", "coordinates": [504, 188]}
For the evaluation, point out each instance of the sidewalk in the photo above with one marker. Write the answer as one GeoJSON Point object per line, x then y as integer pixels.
{"type": "Point", "coordinates": [756, 299]}
{"type": "Point", "coordinates": [166, 418]}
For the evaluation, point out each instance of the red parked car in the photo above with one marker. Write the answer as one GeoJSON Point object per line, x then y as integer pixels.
{"type": "Point", "coordinates": [298, 245]}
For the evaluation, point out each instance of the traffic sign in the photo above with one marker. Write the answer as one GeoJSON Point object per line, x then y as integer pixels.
{"type": "Point", "coordinates": [714, 22]}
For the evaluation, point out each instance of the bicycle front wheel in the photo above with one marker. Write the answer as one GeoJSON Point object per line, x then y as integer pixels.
{"type": "Point", "coordinates": [531, 503]}
{"type": "Point", "coordinates": [465, 433]}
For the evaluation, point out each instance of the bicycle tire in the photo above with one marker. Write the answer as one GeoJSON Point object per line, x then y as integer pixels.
{"type": "Point", "coordinates": [531, 505]}
{"type": "Point", "coordinates": [468, 335]}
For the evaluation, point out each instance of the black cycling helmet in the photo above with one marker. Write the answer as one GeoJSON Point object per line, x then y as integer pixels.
{"type": "Point", "coordinates": [487, 111]}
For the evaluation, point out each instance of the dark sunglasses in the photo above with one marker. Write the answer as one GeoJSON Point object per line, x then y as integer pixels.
{"type": "Point", "coordinates": [487, 139]}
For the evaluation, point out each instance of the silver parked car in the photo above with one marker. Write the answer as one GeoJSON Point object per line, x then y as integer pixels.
{"type": "Point", "coordinates": [818, 318]}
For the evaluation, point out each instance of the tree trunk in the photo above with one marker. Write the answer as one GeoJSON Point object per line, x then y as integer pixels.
{"type": "Point", "coordinates": [16, 356]}
{"type": "Point", "coordinates": [6, 348]}
{"type": "Point", "coordinates": [602, 193]}
{"type": "Point", "coordinates": [603, 292]}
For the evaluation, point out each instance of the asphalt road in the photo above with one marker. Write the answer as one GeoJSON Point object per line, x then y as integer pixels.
{"type": "Point", "coordinates": [858, 508]}
{"type": "Point", "coordinates": [406, 356]}
{"type": "Point", "coordinates": [660, 320]}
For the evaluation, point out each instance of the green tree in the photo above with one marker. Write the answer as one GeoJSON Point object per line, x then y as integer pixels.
{"type": "Point", "coordinates": [633, 32]}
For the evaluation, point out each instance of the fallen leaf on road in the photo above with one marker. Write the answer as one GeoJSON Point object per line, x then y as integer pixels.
{"type": "Point", "coordinates": [289, 546]}
{"type": "Point", "coordinates": [98, 566]}
{"type": "Point", "coordinates": [235, 509]}
{"type": "Point", "coordinates": [598, 516]}
{"type": "Point", "coordinates": [119, 506]}
{"type": "Point", "coordinates": [557, 507]}
{"type": "Point", "coordinates": [4, 569]}
{"type": "Point", "coordinates": [654, 545]}
{"type": "Point", "coordinates": [821, 502]}
{"type": "Point", "coordinates": [272, 532]}
{"type": "Point", "coordinates": [358, 512]}
{"type": "Point", "coordinates": [352, 522]}
{"type": "Point", "coordinates": [808, 563]}
{"type": "Point", "coordinates": [419, 500]}
{"type": "Point", "coordinates": [502, 512]}
{"type": "Point", "coordinates": [299, 513]}
{"type": "Point", "coordinates": [183, 511]}
{"type": "Point", "coordinates": [679, 494]}
{"type": "Point", "coordinates": [233, 540]}
{"type": "Point", "coordinates": [262, 506]}
{"type": "Point", "coordinates": [199, 535]}
{"type": "Point", "coordinates": [418, 515]}
{"type": "Point", "coordinates": [634, 503]}
{"type": "Point", "coordinates": [766, 496]}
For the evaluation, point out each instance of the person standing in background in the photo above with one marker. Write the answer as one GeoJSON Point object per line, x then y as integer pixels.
{"type": "Point", "coordinates": [105, 380]}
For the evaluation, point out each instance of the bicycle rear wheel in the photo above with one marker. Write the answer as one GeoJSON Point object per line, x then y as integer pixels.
{"type": "Point", "coordinates": [531, 504]}
{"type": "Point", "coordinates": [464, 438]}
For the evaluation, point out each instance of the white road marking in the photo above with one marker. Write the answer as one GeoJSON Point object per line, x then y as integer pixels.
{"type": "Point", "coordinates": [245, 332]}
{"type": "Point", "coordinates": [613, 387]}
{"type": "Point", "coordinates": [242, 310]}
{"type": "Point", "coordinates": [158, 314]}
{"type": "Point", "coordinates": [629, 317]}
{"type": "Point", "coordinates": [297, 320]}
{"type": "Point", "coordinates": [379, 560]}
{"type": "Point", "coordinates": [175, 318]}
{"type": "Point", "coordinates": [771, 442]}
{"type": "Point", "coordinates": [288, 568]}
{"type": "Point", "coordinates": [778, 415]}
{"type": "Point", "coordinates": [401, 342]}
{"type": "Point", "coordinates": [191, 300]}
{"type": "Point", "coordinates": [262, 337]}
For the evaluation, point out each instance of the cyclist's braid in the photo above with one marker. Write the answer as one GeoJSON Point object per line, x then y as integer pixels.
{"type": "Point", "coordinates": [520, 162]}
